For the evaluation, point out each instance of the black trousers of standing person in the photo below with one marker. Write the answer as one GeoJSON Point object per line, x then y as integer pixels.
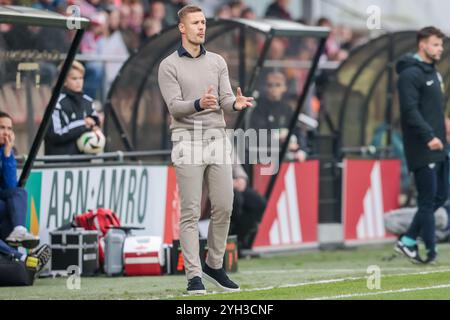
{"type": "Point", "coordinates": [248, 209]}
{"type": "Point", "coordinates": [432, 192]}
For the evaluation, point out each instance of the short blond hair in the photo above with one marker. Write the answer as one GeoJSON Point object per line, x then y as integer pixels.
{"type": "Point", "coordinates": [76, 65]}
{"type": "Point", "coordinates": [190, 8]}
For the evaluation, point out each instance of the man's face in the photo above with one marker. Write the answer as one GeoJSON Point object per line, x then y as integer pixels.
{"type": "Point", "coordinates": [74, 81]}
{"type": "Point", "coordinates": [193, 27]}
{"type": "Point", "coordinates": [275, 86]}
{"type": "Point", "coordinates": [432, 47]}
{"type": "Point", "coordinates": [5, 129]}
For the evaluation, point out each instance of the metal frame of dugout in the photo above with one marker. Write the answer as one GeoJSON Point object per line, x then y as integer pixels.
{"type": "Point", "coordinates": [126, 97]}
{"type": "Point", "coordinates": [35, 17]}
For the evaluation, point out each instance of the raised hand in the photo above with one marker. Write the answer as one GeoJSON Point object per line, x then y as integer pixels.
{"type": "Point", "coordinates": [208, 100]}
{"type": "Point", "coordinates": [242, 102]}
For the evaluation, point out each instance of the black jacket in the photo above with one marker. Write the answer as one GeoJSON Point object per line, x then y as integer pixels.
{"type": "Point", "coordinates": [274, 115]}
{"type": "Point", "coordinates": [68, 124]}
{"type": "Point", "coordinates": [422, 106]}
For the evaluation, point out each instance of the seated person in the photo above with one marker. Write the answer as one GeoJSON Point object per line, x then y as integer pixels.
{"type": "Point", "coordinates": [73, 116]}
{"type": "Point", "coordinates": [248, 209]}
{"type": "Point", "coordinates": [272, 112]}
{"type": "Point", "coordinates": [13, 205]}
{"type": "Point", "coordinates": [398, 221]}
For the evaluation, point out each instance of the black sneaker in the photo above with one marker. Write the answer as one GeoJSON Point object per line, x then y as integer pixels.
{"type": "Point", "coordinates": [195, 286]}
{"type": "Point", "coordinates": [43, 254]}
{"type": "Point", "coordinates": [412, 253]}
{"type": "Point", "coordinates": [431, 258]}
{"type": "Point", "coordinates": [219, 278]}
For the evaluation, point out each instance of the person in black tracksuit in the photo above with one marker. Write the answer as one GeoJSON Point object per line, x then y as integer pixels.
{"type": "Point", "coordinates": [273, 113]}
{"type": "Point", "coordinates": [422, 107]}
{"type": "Point", "coordinates": [248, 209]}
{"type": "Point", "coordinates": [73, 116]}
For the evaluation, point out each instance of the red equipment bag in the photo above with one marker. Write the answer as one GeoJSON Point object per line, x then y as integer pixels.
{"type": "Point", "coordinates": [101, 221]}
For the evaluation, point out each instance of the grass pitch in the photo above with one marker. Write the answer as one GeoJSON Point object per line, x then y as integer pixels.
{"type": "Point", "coordinates": [307, 275]}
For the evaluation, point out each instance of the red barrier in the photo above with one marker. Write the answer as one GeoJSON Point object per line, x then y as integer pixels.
{"type": "Point", "coordinates": [291, 217]}
{"type": "Point", "coordinates": [369, 189]}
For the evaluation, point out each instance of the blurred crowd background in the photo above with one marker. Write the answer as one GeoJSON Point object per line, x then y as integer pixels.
{"type": "Point", "coordinates": [119, 27]}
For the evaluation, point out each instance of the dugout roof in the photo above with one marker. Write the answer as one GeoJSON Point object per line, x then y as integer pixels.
{"type": "Point", "coordinates": [36, 17]}
{"type": "Point", "coordinates": [33, 43]}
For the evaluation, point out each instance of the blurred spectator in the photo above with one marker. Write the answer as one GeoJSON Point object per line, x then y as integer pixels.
{"type": "Point", "coordinates": [150, 27]}
{"type": "Point", "coordinates": [305, 50]}
{"type": "Point", "coordinates": [125, 16]}
{"type": "Point", "coordinates": [86, 8]}
{"type": "Point", "coordinates": [158, 12]}
{"type": "Point", "coordinates": [130, 37]}
{"type": "Point", "coordinates": [92, 44]}
{"type": "Point", "coordinates": [346, 38]}
{"type": "Point", "coordinates": [172, 8]}
{"type": "Point", "coordinates": [272, 112]}
{"type": "Point", "coordinates": [277, 50]}
{"type": "Point", "coordinates": [224, 12]}
{"type": "Point", "coordinates": [279, 9]}
{"type": "Point", "coordinates": [99, 5]}
{"type": "Point", "coordinates": [236, 8]}
{"type": "Point", "coordinates": [113, 19]}
{"type": "Point", "coordinates": [248, 13]}
{"type": "Point", "coordinates": [113, 44]}
{"type": "Point", "coordinates": [137, 17]}
{"type": "Point", "coordinates": [333, 49]}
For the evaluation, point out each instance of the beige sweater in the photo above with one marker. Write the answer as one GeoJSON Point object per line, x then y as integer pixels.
{"type": "Point", "coordinates": [183, 80]}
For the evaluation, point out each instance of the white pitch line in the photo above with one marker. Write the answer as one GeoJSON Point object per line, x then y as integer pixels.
{"type": "Point", "coordinates": [354, 295]}
{"type": "Point", "coordinates": [326, 270]}
{"type": "Point", "coordinates": [317, 282]}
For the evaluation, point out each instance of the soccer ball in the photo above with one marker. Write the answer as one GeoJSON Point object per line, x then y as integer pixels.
{"type": "Point", "coordinates": [91, 142]}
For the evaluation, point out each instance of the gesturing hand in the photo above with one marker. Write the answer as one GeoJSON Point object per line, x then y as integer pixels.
{"type": "Point", "coordinates": [242, 102]}
{"type": "Point", "coordinates": [208, 100]}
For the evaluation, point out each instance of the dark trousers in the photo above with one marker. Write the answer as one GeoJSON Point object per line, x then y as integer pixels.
{"type": "Point", "coordinates": [248, 209]}
{"type": "Point", "coordinates": [432, 192]}
{"type": "Point", "coordinates": [13, 213]}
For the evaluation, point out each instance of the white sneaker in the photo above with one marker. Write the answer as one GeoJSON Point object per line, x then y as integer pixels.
{"type": "Point", "coordinates": [21, 237]}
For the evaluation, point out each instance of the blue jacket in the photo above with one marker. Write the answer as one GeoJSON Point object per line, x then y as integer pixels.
{"type": "Point", "coordinates": [8, 177]}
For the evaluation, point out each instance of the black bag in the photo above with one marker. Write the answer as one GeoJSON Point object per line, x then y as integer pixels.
{"type": "Point", "coordinates": [13, 272]}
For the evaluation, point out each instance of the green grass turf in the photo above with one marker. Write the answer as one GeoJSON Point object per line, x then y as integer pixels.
{"type": "Point", "coordinates": [292, 276]}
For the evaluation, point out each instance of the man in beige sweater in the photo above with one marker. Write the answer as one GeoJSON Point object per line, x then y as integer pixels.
{"type": "Point", "coordinates": [196, 88]}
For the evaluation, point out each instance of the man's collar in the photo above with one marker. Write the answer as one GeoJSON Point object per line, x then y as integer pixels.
{"type": "Point", "coordinates": [183, 52]}
{"type": "Point", "coordinates": [418, 57]}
